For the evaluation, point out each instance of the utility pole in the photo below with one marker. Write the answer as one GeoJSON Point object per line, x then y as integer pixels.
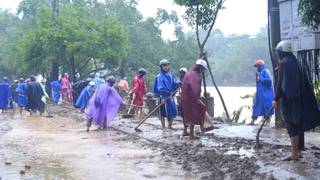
{"type": "Point", "coordinates": [274, 20]}
{"type": "Point", "coordinates": [54, 66]}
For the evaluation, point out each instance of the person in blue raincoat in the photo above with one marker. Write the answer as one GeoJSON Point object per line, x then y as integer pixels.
{"type": "Point", "coordinates": [56, 88]}
{"type": "Point", "coordinates": [84, 97]}
{"type": "Point", "coordinates": [164, 85]}
{"type": "Point", "coordinates": [97, 81]}
{"type": "Point", "coordinates": [5, 95]}
{"type": "Point", "coordinates": [264, 93]}
{"type": "Point", "coordinates": [22, 97]}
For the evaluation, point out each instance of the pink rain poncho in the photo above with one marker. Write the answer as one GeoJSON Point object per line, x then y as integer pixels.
{"type": "Point", "coordinates": [105, 102]}
{"type": "Point", "coordinates": [66, 88]}
{"type": "Point", "coordinates": [193, 111]}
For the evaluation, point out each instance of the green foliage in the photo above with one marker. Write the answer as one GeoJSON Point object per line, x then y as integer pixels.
{"type": "Point", "coordinates": [31, 57]}
{"type": "Point", "coordinates": [113, 38]}
{"type": "Point", "coordinates": [75, 40]}
{"type": "Point", "coordinates": [10, 32]}
{"type": "Point", "coordinates": [201, 14]}
{"type": "Point", "coordinates": [237, 113]}
{"type": "Point", "coordinates": [309, 10]}
{"type": "Point", "coordinates": [234, 67]}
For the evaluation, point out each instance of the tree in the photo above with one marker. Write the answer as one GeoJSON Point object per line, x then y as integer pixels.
{"type": "Point", "coordinates": [10, 31]}
{"type": "Point", "coordinates": [203, 14]}
{"type": "Point", "coordinates": [76, 41]}
{"type": "Point", "coordinates": [147, 47]}
{"type": "Point", "coordinates": [309, 10]}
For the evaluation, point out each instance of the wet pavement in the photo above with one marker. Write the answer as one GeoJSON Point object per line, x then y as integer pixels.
{"type": "Point", "coordinates": [59, 148]}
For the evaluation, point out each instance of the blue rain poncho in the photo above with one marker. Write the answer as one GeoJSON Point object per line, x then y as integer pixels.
{"type": "Point", "coordinates": [97, 81]}
{"type": "Point", "coordinates": [264, 93]}
{"type": "Point", "coordinates": [164, 85]}
{"type": "Point", "coordinates": [5, 95]}
{"type": "Point", "coordinates": [56, 88]}
{"type": "Point", "coordinates": [84, 97]}
{"type": "Point", "coordinates": [22, 98]}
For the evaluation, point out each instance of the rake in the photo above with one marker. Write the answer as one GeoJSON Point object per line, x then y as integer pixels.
{"type": "Point", "coordinates": [142, 121]}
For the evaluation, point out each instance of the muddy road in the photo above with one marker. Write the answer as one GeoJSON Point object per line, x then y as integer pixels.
{"type": "Point", "coordinates": [60, 148]}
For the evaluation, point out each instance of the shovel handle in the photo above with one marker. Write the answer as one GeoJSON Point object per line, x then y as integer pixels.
{"type": "Point", "coordinates": [131, 106]}
{"type": "Point", "coordinates": [135, 105]}
{"type": "Point", "coordinates": [264, 121]}
{"type": "Point", "coordinates": [144, 119]}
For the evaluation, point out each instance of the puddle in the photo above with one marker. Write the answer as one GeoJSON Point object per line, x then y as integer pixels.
{"type": "Point", "coordinates": [56, 148]}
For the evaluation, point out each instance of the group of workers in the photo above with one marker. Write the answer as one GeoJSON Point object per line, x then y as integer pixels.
{"type": "Point", "coordinates": [26, 94]}
{"type": "Point", "coordinates": [293, 95]}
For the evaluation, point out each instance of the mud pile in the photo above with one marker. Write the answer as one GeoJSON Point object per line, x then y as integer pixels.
{"type": "Point", "coordinates": [211, 157]}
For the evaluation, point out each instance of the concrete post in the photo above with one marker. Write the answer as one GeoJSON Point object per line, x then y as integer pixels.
{"type": "Point", "coordinates": [274, 16]}
{"type": "Point", "coordinates": [151, 103]}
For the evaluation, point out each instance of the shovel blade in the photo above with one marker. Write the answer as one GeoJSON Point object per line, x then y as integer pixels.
{"type": "Point", "coordinates": [138, 130]}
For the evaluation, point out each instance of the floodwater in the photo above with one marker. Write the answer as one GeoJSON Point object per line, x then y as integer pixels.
{"type": "Point", "coordinates": [56, 148]}
{"type": "Point", "coordinates": [231, 97]}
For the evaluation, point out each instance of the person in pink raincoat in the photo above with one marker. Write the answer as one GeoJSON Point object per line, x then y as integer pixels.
{"type": "Point", "coordinates": [193, 111]}
{"type": "Point", "coordinates": [138, 89]}
{"type": "Point", "coordinates": [66, 89]}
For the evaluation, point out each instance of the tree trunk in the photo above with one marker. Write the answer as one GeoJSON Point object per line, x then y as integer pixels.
{"type": "Point", "coordinates": [73, 70]}
{"type": "Point", "coordinates": [204, 57]}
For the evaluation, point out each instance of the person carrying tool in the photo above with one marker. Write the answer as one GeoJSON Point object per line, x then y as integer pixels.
{"type": "Point", "coordinates": [193, 111]}
{"type": "Point", "coordinates": [164, 85]}
{"type": "Point", "coordinates": [295, 97]}
{"type": "Point", "coordinates": [77, 89]}
{"type": "Point", "coordinates": [264, 93]}
{"type": "Point", "coordinates": [43, 86]}
{"type": "Point", "coordinates": [34, 94]}
{"type": "Point", "coordinates": [138, 90]}
{"type": "Point", "coordinates": [103, 105]}
{"type": "Point", "coordinates": [85, 95]}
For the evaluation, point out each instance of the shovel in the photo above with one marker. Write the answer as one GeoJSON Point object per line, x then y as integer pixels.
{"type": "Point", "coordinates": [142, 121]}
{"type": "Point", "coordinates": [257, 136]}
{"type": "Point", "coordinates": [49, 115]}
{"type": "Point", "coordinates": [129, 115]}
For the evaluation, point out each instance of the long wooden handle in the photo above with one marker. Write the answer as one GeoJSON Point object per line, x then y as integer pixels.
{"type": "Point", "coordinates": [135, 105]}
{"type": "Point", "coordinates": [131, 106]}
{"type": "Point", "coordinates": [156, 108]}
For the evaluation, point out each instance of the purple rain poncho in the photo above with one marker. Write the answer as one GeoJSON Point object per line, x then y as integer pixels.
{"type": "Point", "coordinates": [105, 102]}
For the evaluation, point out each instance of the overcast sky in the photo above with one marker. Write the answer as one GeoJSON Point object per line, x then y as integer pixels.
{"type": "Point", "coordinates": [239, 17]}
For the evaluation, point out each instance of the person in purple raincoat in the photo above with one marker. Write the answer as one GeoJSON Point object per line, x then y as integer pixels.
{"type": "Point", "coordinates": [103, 105]}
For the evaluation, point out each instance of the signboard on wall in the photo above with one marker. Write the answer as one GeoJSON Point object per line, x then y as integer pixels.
{"type": "Point", "coordinates": [301, 37]}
